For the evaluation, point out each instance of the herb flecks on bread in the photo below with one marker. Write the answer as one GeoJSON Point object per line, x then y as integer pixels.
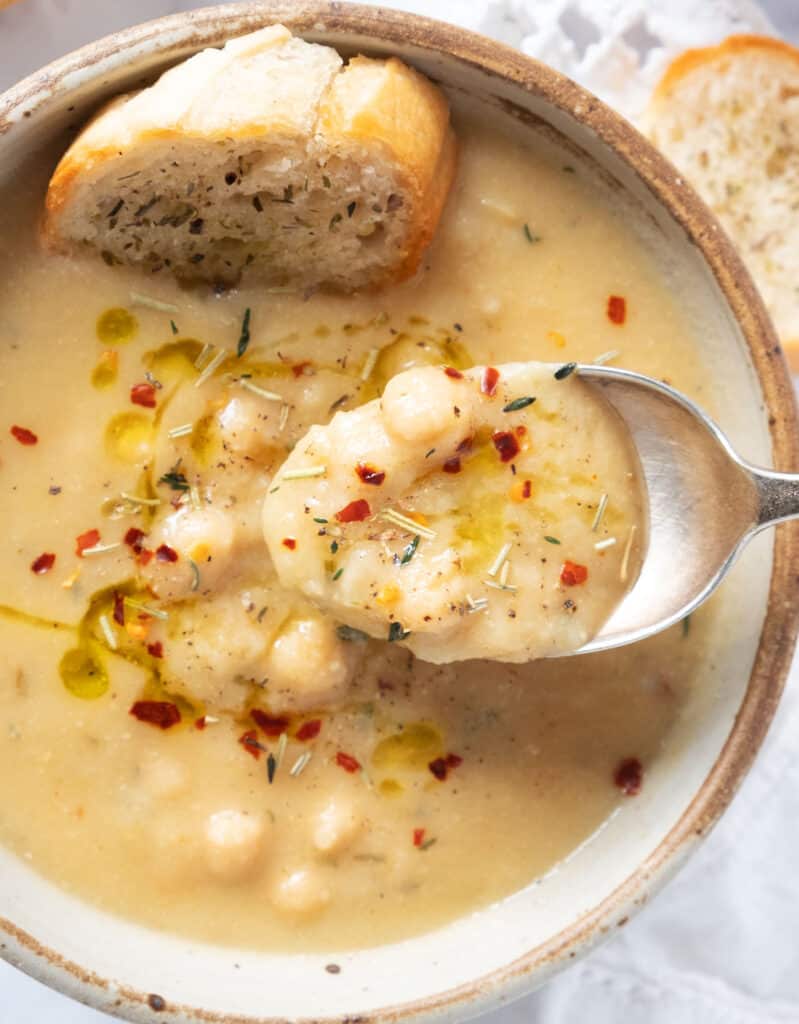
{"type": "Point", "coordinates": [728, 117]}
{"type": "Point", "coordinates": [269, 157]}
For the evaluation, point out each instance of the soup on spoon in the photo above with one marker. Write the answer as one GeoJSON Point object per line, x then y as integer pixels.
{"type": "Point", "coordinates": [491, 513]}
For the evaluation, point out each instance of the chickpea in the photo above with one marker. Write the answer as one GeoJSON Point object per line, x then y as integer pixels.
{"type": "Point", "coordinates": [301, 893]}
{"type": "Point", "coordinates": [307, 666]}
{"type": "Point", "coordinates": [204, 536]}
{"type": "Point", "coordinates": [337, 825]}
{"type": "Point", "coordinates": [234, 844]}
{"type": "Point", "coordinates": [421, 407]}
{"type": "Point", "coordinates": [163, 777]}
{"type": "Point", "coordinates": [249, 425]}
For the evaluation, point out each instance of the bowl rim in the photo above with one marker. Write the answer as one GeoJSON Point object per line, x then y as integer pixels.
{"type": "Point", "coordinates": [209, 27]}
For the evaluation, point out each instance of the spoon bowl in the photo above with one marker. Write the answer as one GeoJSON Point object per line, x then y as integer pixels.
{"type": "Point", "coordinates": [704, 503]}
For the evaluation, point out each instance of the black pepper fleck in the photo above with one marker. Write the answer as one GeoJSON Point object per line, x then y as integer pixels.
{"type": "Point", "coordinates": [157, 1003]}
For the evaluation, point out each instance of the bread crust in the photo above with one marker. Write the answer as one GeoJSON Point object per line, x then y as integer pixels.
{"type": "Point", "coordinates": [735, 45]}
{"type": "Point", "coordinates": [391, 105]}
{"type": "Point", "coordinates": [431, 205]}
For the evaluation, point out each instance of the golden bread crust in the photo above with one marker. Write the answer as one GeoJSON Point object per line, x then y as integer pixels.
{"type": "Point", "coordinates": [732, 46]}
{"type": "Point", "coordinates": [389, 104]}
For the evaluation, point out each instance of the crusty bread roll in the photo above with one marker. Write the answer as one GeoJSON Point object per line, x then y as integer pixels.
{"type": "Point", "coordinates": [270, 157]}
{"type": "Point", "coordinates": [728, 117]}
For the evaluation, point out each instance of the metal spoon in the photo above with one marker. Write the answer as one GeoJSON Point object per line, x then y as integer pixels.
{"type": "Point", "coordinates": [704, 501]}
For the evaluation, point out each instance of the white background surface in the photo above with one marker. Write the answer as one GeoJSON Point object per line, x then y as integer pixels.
{"type": "Point", "coordinates": [721, 943]}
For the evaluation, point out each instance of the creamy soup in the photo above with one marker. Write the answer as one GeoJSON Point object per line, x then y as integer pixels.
{"type": "Point", "coordinates": [192, 744]}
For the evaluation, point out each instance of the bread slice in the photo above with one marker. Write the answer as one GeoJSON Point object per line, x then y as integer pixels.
{"type": "Point", "coordinates": [728, 117]}
{"type": "Point", "coordinates": [269, 157]}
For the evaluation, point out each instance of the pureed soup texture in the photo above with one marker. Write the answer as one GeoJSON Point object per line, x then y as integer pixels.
{"type": "Point", "coordinates": [191, 745]}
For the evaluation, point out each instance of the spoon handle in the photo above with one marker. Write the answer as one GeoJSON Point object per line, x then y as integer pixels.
{"type": "Point", "coordinates": [778, 494]}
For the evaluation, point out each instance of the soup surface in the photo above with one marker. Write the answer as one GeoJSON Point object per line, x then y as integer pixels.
{"type": "Point", "coordinates": [193, 746]}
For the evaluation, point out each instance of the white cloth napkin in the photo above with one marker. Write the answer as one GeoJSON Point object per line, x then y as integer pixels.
{"type": "Point", "coordinates": [718, 945]}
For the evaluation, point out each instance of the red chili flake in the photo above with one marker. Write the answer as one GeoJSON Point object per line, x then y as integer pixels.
{"type": "Point", "coordinates": [572, 574]}
{"type": "Point", "coordinates": [289, 542]}
{"type": "Point", "coordinates": [119, 608]}
{"type": "Point", "coordinates": [347, 762]}
{"type": "Point", "coordinates": [272, 725]}
{"type": "Point", "coordinates": [249, 740]}
{"type": "Point", "coordinates": [452, 465]}
{"type": "Point", "coordinates": [521, 430]}
{"type": "Point", "coordinates": [200, 723]}
{"type": "Point", "coordinates": [370, 475]}
{"type": "Point", "coordinates": [506, 444]}
{"type": "Point", "coordinates": [465, 445]}
{"type": "Point", "coordinates": [143, 394]}
{"type": "Point", "coordinates": [145, 556]}
{"type": "Point", "coordinates": [85, 541]}
{"type": "Point", "coordinates": [155, 650]}
{"type": "Point", "coordinates": [452, 372]}
{"type": "Point", "coordinates": [355, 512]}
{"type": "Point", "coordinates": [298, 369]}
{"type": "Point", "coordinates": [527, 489]}
{"type": "Point", "coordinates": [44, 563]}
{"type": "Point", "coordinates": [617, 309]}
{"type": "Point", "coordinates": [309, 730]}
{"type": "Point", "coordinates": [629, 776]}
{"type": "Point", "coordinates": [164, 553]}
{"type": "Point", "coordinates": [24, 436]}
{"type": "Point", "coordinates": [156, 712]}
{"type": "Point", "coordinates": [490, 379]}
{"type": "Point", "coordinates": [418, 836]}
{"type": "Point", "coordinates": [133, 539]}
{"type": "Point", "coordinates": [442, 766]}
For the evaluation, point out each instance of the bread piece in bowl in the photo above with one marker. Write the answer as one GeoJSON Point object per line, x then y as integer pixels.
{"type": "Point", "coordinates": [270, 157]}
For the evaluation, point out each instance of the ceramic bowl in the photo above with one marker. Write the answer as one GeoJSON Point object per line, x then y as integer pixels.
{"type": "Point", "coordinates": [505, 950]}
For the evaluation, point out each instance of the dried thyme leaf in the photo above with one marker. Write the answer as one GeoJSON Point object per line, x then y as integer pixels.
{"type": "Point", "coordinates": [410, 550]}
{"type": "Point", "coordinates": [244, 337]}
{"type": "Point", "coordinates": [518, 403]}
{"type": "Point", "coordinates": [396, 632]}
{"type": "Point", "coordinates": [351, 635]}
{"type": "Point", "coordinates": [175, 479]}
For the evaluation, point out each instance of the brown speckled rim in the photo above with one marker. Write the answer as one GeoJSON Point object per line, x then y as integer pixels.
{"type": "Point", "coordinates": [389, 29]}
